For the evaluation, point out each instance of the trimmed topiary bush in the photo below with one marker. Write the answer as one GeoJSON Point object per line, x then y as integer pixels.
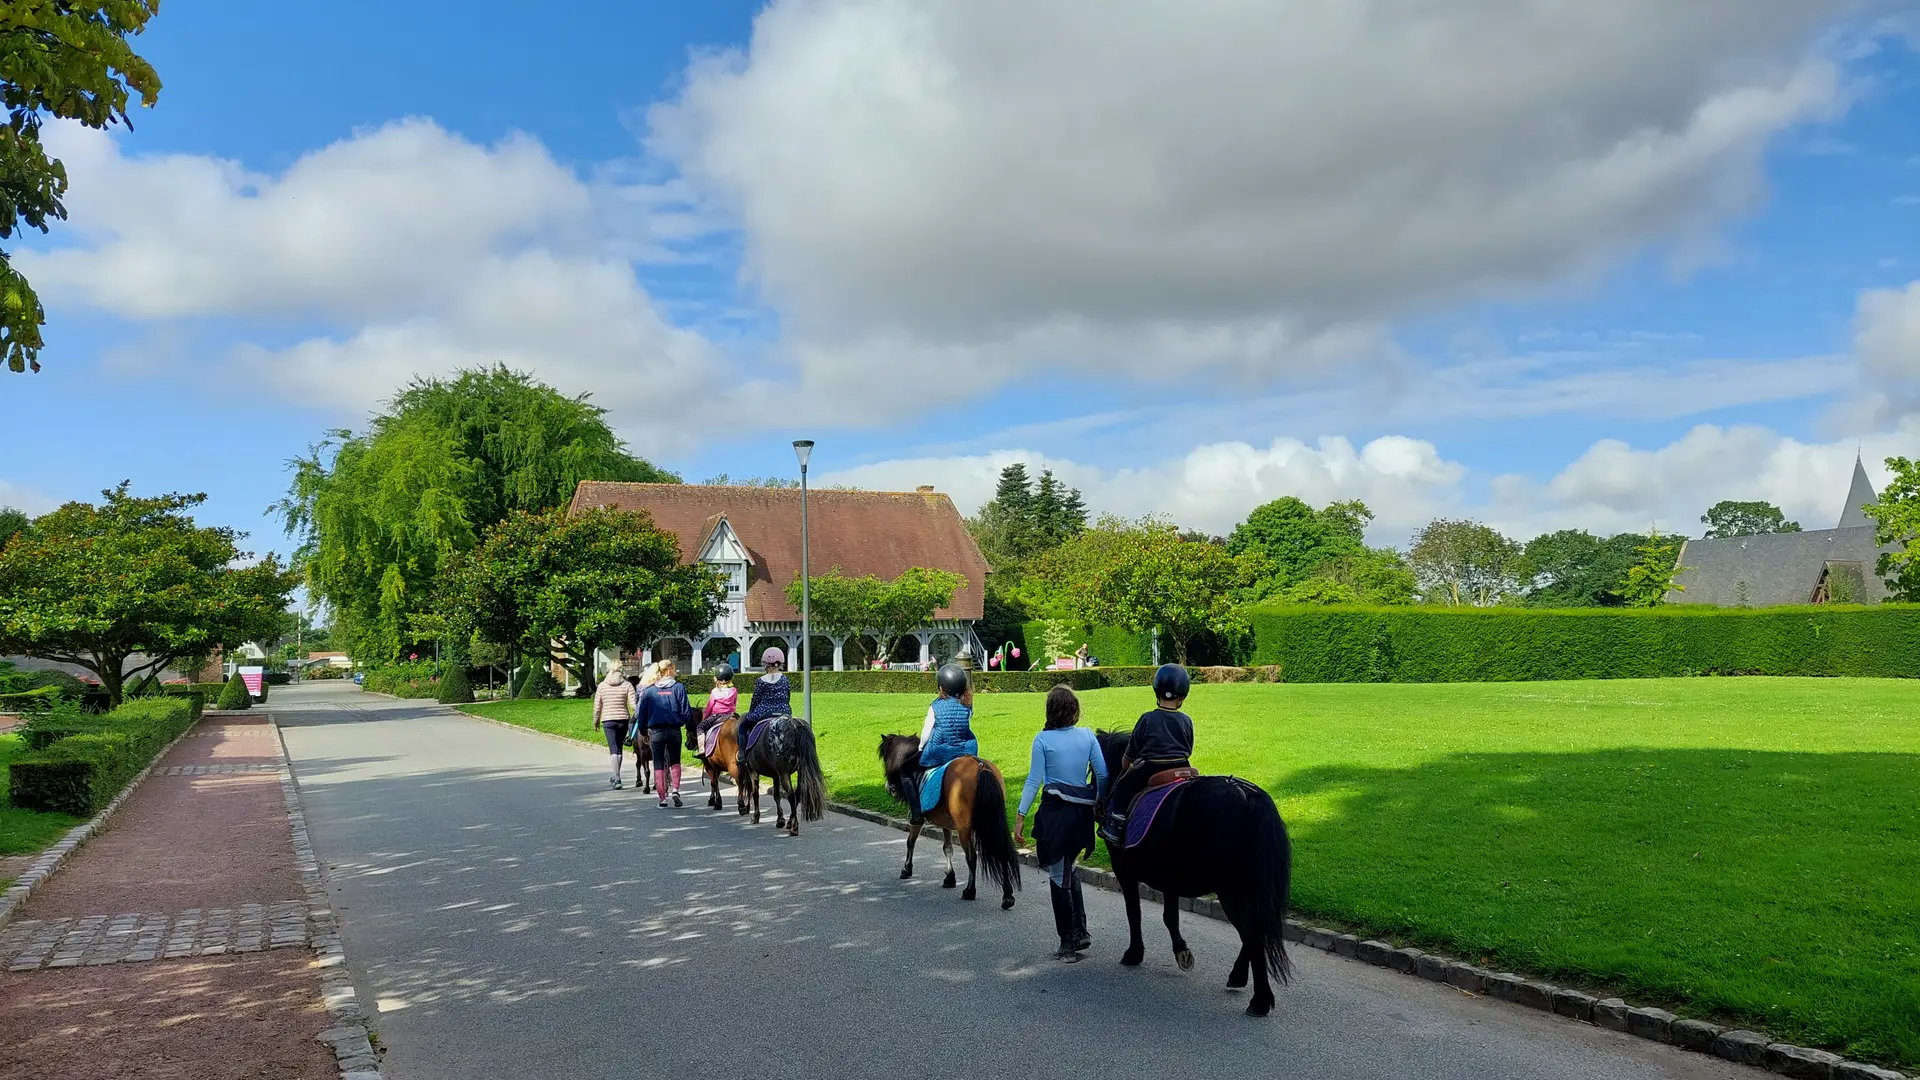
{"type": "Point", "coordinates": [77, 763]}
{"type": "Point", "coordinates": [455, 688]}
{"type": "Point", "coordinates": [540, 683]}
{"type": "Point", "coordinates": [1324, 644]}
{"type": "Point", "coordinates": [69, 685]}
{"type": "Point", "coordinates": [234, 696]}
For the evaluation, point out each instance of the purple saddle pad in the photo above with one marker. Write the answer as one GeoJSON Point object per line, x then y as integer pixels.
{"type": "Point", "coordinates": [1146, 808]}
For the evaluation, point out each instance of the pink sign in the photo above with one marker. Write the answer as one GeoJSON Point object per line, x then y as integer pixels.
{"type": "Point", "coordinates": [255, 679]}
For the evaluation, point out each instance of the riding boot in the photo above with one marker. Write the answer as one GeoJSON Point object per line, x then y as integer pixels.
{"type": "Point", "coordinates": [1080, 911]}
{"type": "Point", "coordinates": [1113, 829]}
{"type": "Point", "coordinates": [1063, 919]}
{"type": "Point", "coordinates": [914, 814]}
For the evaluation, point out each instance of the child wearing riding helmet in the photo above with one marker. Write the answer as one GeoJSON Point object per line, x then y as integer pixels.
{"type": "Point", "coordinates": [1162, 739]}
{"type": "Point", "coordinates": [948, 731]}
{"type": "Point", "coordinates": [663, 712]}
{"type": "Point", "coordinates": [772, 696]}
{"type": "Point", "coordinates": [723, 701]}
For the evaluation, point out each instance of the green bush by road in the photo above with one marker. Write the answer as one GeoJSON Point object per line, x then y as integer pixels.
{"type": "Point", "coordinates": [24, 831]}
{"type": "Point", "coordinates": [1742, 849]}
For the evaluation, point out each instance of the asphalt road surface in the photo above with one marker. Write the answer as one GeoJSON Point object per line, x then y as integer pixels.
{"type": "Point", "coordinates": [513, 917]}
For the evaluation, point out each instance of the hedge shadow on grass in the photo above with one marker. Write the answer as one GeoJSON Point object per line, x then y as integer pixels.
{"type": "Point", "coordinates": [1752, 887]}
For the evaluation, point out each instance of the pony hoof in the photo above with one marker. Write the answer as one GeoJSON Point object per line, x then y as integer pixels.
{"type": "Point", "coordinates": [1183, 957]}
{"type": "Point", "coordinates": [1006, 903]}
{"type": "Point", "coordinates": [907, 873]}
{"type": "Point", "coordinates": [1132, 957]}
{"type": "Point", "coordinates": [1256, 1007]}
{"type": "Point", "coordinates": [969, 894]}
{"type": "Point", "coordinates": [1236, 981]}
{"type": "Point", "coordinates": [949, 882]}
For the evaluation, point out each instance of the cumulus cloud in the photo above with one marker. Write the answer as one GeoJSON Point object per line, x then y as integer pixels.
{"type": "Point", "coordinates": [1167, 187]}
{"type": "Point", "coordinates": [26, 499]}
{"type": "Point", "coordinates": [418, 250]}
{"type": "Point", "coordinates": [1211, 487]}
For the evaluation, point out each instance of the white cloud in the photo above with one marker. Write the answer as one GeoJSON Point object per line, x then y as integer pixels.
{"type": "Point", "coordinates": [1162, 187]}
{"type": "Point", "coordinates": [1213, 486]}
{"type": "Point", "coordinates": [1887, 335]}
{"type": "Point", "coordinates": [26, 499]}
{"type": "Point", "coordinates": [418, 250]}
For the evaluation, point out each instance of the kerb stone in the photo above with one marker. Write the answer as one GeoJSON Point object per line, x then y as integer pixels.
{"type": "Point", "coordinates": [1655, 1024]}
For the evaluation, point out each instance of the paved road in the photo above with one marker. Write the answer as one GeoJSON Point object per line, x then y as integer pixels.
{"type": "Point", "coordinates": [514, 918]}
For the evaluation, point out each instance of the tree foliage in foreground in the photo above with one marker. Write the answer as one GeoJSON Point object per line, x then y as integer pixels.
{"type": "Point", "coordinates": [556, 586]}
{"type": "Point", "coordinates": [889, 610]}
{"type": "Point", "coordinates": [67, 59]}
{"type": "Point", "coordinates": [1730, 518]}
{"type": "Point", "coordinates": [378, 514]}
{"type": "Point", "coordinates": [96, 585]}
{"type": "Point", "coordinates": [1896, 520]}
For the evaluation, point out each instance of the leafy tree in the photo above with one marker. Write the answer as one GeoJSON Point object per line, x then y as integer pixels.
{"type": "Point", "coordinates": [1652, 575]}
{"type": "Point", "coordinates": [1574, 568]}
{"type": "Point", "coordinates": [11, 521]}
{"type": "Point", "coordinates": [96, 586]}
{"type": "Point", "coordinates": [890, 610]}
{"type": "Point", "coordinates": [1142, 576]}
{"type": "Point", "coordinates": [1026, 519]}
{"type": "Point", "coordinates": [1298, 540]}
{"type": "Point", "coordinates": [1463, 562]}
{"type": "Point", "coordinates": [558, 586]}
{"type": "Point", "coordinates": [235, 695]}
{"type": "Point", "coordinates": [68, 59]}
{"type": "Point", "coordinates": [1730, 518]}
{"type": "Point", "coordinates": [1319, 590]}
{"type": "Point", "coordinates": [378, 514]}
{"type": "Point", "coordinates": [1896, 520]}
{"type": "Point", "coordinates": [1377, 577]}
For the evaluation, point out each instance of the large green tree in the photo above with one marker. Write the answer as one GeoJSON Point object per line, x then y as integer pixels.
{"type": "Point", "coordinates": [129, 586]}
{"type": "Point", "coordinates": [1027, 518]}
{"type": "Point", "coordinates": [1464, 562]}
{"type": "Point", "coordinates": [1730, 518]}
{"type": "Point", "coordinates": [1574, 568]}
{"type": "Point", "coordinates": [889, 610]}
{"type": "Point", "coordinates": [379, 513]}
{"type": "Point", "coordinates": [11, 521]}
{"type": "Point", "coordinates": [68, 59]}
{"type": "Point", "coordinates": [558, 586]}
{"type": "Point", "coordinates": [1896, 520]}
{"type": "Point", "coordinates": [1655, 571]}
{"type": "Point", "coordinates": [1142, 576]}
{"type": "Point", "coordinates": [1298, 540]}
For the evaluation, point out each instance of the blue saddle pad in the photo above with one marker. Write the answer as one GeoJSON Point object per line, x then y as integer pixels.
{"type": "Point", "coordinates": [1145, 809]}
{"type": "Point", "coordinates": [930, 788]}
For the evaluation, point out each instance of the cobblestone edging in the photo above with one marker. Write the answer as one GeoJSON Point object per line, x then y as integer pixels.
{"type": "Point", "coordinates": [56, 856]}
{"type": "Point", "coordinates": [93, 940]}
{"type": "Point", "coordinates": [351, 1036]}
{"type": "Point", "coordinates": [1658, 1025]}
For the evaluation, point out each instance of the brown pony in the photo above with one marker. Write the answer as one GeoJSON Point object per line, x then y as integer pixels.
{"type": "Point", "coordinates": [973, 803]}
{"type": "Point", "coordinates": [724, 762]}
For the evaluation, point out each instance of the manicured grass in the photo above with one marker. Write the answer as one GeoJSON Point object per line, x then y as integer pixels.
{"type": "Point", "coordinates": [24, 831]}
{"type": "Point", "coordinates": [1745, 850]}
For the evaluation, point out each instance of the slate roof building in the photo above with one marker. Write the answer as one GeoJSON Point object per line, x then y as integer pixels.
{"type": "Point", "coordinates": [1769, 569]}
{"type": "Point", "coordinates": [752, 535]}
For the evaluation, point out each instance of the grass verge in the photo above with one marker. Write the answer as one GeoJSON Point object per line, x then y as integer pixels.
{"type": "Point", "coordinates": [1744, 850]}
{"type": "Point", "coordinates": [23, 832]}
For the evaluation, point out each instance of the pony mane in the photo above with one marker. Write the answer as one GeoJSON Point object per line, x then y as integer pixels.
{"type": "Point", "coordinates": [897, 753]}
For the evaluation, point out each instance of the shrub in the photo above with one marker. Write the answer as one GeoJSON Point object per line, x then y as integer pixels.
{"type": "Point", "coordinates": [1515, 644]}
{"type": "Point", "coordinates": [454, 687]}
{"type": "Point", "coordinates": [81, 762]}
{"type": "Point", "coordinates": [195, 697]}
{"type": "Point", "coordinates": [279, 678]}
{"type": "Point", "coordinates": [69, 685]}
{"type": "Point", "coordinates": [540, 683]}
{"type": "Point", "coordinates": [234, 695]}
{"type": "Point", "coordinates": [31, 701]}
{"type": "Point", "coordinates": [921, 682]}
{"type": "Point", "coordinates": [326, 671]}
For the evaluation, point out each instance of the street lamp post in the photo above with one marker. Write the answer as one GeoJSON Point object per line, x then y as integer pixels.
{"type": "Point", "coordinates": [803, 449]}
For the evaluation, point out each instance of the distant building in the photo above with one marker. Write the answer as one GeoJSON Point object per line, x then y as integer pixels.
{"type": "Point", "coordinates": [1769, 569]}
{"type": "Point", "coordinates": [752, 535]}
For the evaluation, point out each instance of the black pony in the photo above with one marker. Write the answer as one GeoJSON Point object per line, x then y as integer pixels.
{"type": "Point", "coordinates": [1224, 837]}
{"type": "Point", "coordinates": [785, 751]}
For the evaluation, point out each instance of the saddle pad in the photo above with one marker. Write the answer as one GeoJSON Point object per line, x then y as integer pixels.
{"type": "Point", "coordinates": [710, 741]}
{"type": "Point", "coordinates": [1146, 808]}
{"type": "Point", "coordinates": [930, 788]}
{"type": "Point", "coordinates": [759, 729]}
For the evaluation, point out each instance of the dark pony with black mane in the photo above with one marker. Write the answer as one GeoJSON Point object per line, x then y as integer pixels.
{"type": "Point", "coordinates": [1220, 835]}
{"type": "Point", "coordinates": [973, 803]}
{"type": "Point", "coordinates": [784, 751]}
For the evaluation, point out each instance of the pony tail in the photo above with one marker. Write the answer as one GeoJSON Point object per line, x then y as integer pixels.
{"type": "Point", "coordinates": [992, 837]}
{"type": "Point", "coordinates": [1272, 878]}
{"type": "Point", "coordinates": [810, 788]}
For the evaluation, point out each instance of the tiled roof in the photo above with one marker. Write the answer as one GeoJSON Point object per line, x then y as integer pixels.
{"type": "Point", "coordinates": [881, 533]}
{"type": "Point", "coordinates": [1772, 568]}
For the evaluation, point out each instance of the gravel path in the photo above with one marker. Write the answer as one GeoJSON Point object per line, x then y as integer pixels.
{"type": "Point", "coordinates": [513, 917]}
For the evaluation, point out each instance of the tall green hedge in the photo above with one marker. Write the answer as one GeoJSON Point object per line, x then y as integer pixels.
{"type": "Point", "coordinates": [1326, 644]}
{"type": "Point", "coordinates": [77, 764]}
{"type": "Point", "coordinates": [921, 682]}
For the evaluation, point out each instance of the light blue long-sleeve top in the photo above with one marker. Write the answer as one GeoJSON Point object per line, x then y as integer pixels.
{"type": "Point", "coordinates": [1064, 756]}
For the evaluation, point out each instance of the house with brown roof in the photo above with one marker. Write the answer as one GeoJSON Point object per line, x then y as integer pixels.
{"type": "Point", "coordinates": [752, 536]}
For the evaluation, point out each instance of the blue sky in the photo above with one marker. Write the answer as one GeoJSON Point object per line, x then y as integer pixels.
{"type": "Point", "coordinates": [1593, 270]}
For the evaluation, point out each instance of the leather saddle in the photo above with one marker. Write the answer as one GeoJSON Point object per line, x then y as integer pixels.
{"type": "Point", "coordinates": [1170, 776]}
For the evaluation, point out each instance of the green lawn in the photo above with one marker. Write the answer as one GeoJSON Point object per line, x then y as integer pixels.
{"type": "Point", "coordinates": [1746, 850]}
{"type": "Point", "coordinates": [24, 831]}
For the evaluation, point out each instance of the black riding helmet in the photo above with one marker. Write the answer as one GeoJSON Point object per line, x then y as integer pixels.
{"type": "Point", "coordinates": [723, 672]}
{"type": "Point", "coordinates": [1171, 682]}
{"type": "Point", "coordinates": [952, 680]}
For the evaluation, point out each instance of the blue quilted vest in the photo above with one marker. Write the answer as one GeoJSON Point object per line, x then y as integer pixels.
{"type": "Point", "coordinates": [952, 734]}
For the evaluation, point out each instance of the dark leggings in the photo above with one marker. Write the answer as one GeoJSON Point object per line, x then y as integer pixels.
{"type": "Point", "coordinates": [666, 746]}
{"type": "Point", "coordinates": [616, 735]}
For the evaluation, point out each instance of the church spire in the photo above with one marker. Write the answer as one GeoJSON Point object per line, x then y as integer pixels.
{"type": "Point", "coordinates": [1860, 493]}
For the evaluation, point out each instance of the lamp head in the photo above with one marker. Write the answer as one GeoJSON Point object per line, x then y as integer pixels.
{"type": "Point", "coordinates": [803, 449]}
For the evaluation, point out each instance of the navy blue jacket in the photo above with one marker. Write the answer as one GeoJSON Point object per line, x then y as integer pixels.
{"type": "Point", "coordinates": [664, 705]}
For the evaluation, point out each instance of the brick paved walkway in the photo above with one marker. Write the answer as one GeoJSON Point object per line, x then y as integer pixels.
{"type": "Point", "coordinates": [177, 934]}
